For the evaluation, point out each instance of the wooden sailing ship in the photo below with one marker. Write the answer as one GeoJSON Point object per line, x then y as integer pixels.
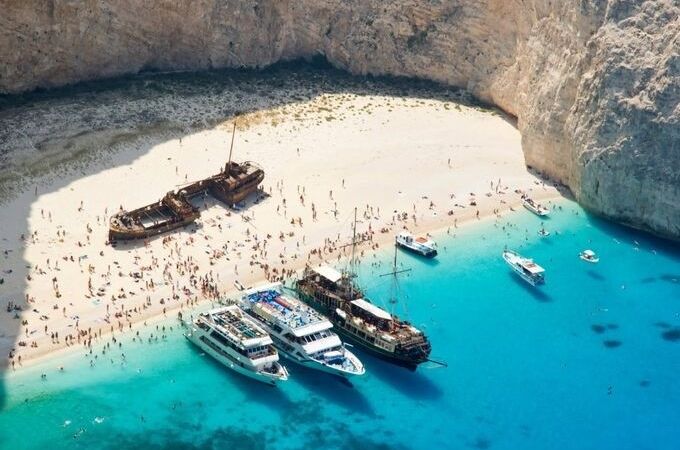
{"type": "Point", "coordinates": [175, 210]}
{"type": "Point", "coordinates": [358, 320]}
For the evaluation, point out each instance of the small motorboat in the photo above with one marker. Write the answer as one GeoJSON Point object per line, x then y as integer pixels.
{"type": "Point", "coordinates": [534, 207]}
{"type": "Point", "coordinates": [543, 232]}
{"type": "Point", "coordinates": [526, 268]}
{"type": "Point", "coordinates": [589, 256]}
{"type": "Point", "coordinates": [420, 245]}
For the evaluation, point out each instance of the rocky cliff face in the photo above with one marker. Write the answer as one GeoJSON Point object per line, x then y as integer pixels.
{"type": "Point", "coordinates": [595, 84]}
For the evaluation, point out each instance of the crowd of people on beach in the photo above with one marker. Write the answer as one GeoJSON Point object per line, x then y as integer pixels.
{"type": "Point", "coordinates": [135, 281]}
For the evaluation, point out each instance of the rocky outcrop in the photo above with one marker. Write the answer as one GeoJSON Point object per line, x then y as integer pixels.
{"type": "Point", "coordinates": [595, 84]}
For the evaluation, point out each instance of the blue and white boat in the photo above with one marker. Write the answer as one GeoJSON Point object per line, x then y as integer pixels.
{"type": "Point", "coordinates": [298, 331]}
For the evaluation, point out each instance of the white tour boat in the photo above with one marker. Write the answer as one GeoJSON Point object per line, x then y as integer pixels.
{"type": "Point", "coordinates": [420, 245]}
{"type": "Point", "coordinates": [236, 341]}
{"type": "Point", "coordinates": [534, 207]}
{"type": "Point", "coordinates": [589, 256]}
{"type": "Point", "coordinates": [299, 332]}
{"type": "Point", "coordinates": [526, 268]}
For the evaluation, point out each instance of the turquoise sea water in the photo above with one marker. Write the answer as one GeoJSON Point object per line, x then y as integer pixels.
{"type": "Point", "coordinates": [589, 361]}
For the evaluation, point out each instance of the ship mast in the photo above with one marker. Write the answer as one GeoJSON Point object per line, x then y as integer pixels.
{"type": "Point", "coordinates": [395, 282]}
{"type": "Point", "coordinates": [350, 271]}
{"type": "Point", "coordinates": [231, 149]}
{"type": "Point", "coordinates": [352, 259]}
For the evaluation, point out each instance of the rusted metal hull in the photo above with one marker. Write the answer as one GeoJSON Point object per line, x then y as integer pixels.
{"type": "Point", "coordinates": [231, 197]}
{"type": "Point", "coordinates": [146, 232]}
{"type": "Point", "coordinates": [175, 210]}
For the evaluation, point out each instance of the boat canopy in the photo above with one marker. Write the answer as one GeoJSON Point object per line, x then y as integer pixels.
{"type": "Point", "coordinates": [329, 273]}
{"type": "Point", "coordinates": [533, 268]}
{"type": "Point", "coordinates": [589, 253]}
{"type": "Point", "coordinates": [322, 344]}
{"type": "Point", "coordinates": [371, 308]}
{"type": "Point", "coordinates": [311, 328]}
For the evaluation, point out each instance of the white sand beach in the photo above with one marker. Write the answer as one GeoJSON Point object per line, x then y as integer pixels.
{"type": "Point", "coordinates": [389, 157]}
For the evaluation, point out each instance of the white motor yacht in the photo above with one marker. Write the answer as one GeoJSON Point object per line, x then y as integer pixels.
{"type": "Point", "coordinates": [298, 331]}
{"type": "Point", "coordinates": [526, 268]}
{"type": "Point", "coordinates": [236, 341]}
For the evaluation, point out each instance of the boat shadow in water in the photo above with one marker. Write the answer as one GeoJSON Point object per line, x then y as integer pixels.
{"type": "Point", "coordinates": [410, 256]}
{"type": "Point", "coordinates": [260, 392]}
{"type": "Point", "coordinates": [431, 262]}
{"type": "Point", "coordinates": [413, 384]}
{"type": "Point", "coordinates": [595, 275]}
{"type": "Point", "coordinates": [254, 390]}
{"type": "Point", "coordinates": [334, 388]}
{"type": "Point", "coordinates": [673, 278]}
{"type": "Point", "coordinates": [535, 291]}
{"type": "Point", "coordinates": [545, 240]}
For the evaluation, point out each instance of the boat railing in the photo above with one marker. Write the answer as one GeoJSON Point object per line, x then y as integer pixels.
{"type": "Point", "coordinates": [269, 351]}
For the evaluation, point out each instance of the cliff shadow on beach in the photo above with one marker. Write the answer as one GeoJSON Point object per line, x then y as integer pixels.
{"type": "Point", "coordinates": [49, 139]}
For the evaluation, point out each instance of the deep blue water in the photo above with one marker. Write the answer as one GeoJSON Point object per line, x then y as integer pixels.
{"type": "Point", "coordinates": [588, 361]}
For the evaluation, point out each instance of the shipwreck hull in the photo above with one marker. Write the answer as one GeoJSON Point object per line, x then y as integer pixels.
{"type": "Point", "coordinates": [116, 234]}
{"type": "Point", "coordinates": [231, 197]}
{"type": "Point", "coordinates": [175, 210]}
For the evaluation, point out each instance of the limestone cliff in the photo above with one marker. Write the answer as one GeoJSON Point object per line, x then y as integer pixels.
{"type": "Point", "coordinates": [595, 84]}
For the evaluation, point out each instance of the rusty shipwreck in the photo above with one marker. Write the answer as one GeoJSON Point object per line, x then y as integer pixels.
{"type": "Point", "coordinates": [175, 210]}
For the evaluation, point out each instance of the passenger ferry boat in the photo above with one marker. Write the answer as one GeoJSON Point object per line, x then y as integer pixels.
{"type": "Point", "coordinates": [358, 320]}
{"type": "Point", "coordinates": [232, 338]}
{"type": "Point", "coordinates": [300, 332]}
{"type": "Point", "coordinates": [526, 268]}
{"type": "Point", "coordinates": [420, 245]}
{"type": "Point", "coordinates": [534, 207]}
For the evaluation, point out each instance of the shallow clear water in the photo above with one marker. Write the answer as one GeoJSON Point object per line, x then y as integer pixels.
{"type": "Point", "coordinates": [586, 362]}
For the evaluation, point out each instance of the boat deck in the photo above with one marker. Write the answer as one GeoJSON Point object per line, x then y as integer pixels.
{"type": "Point", "coordinates": [235, 323]}
{"type": "Point", "coordinates": [283, 309]}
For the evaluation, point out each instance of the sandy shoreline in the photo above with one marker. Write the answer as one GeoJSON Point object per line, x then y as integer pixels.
{"type": "Point", "coordinates": [423, 159]}
{"type": "Point", "coordinates": [381, 241]}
